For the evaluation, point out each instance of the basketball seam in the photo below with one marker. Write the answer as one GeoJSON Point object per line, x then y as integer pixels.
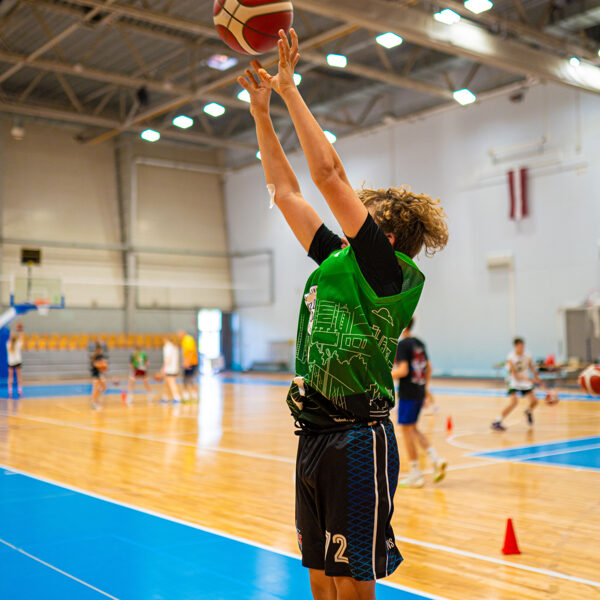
{"type": "Point", "coordinates": [233, 17]}
{"type": "Point", "coordinates": [222, 5]}
{"type": "Point", "coordinates": [228, 26]}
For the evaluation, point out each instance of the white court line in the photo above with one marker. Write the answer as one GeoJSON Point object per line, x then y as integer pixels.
{"type": "Point", "coordinates": [499, 561]}
{"type": "Point", "coordinates": [150, 438]}
{"type": "Point", "coordinates": [404, 588]}
{"type": "Point", "coordinates": [201, 528]}
{"type": "Point", "coordinates": [449, 549]}
{"type": "Point", "coordinates": [43, 562]}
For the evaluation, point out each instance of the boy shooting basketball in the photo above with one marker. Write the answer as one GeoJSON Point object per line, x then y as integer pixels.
{"type": "Point", "coordinates": [354, 307]}
{"type": "Point", "coordinates": [520, 368]}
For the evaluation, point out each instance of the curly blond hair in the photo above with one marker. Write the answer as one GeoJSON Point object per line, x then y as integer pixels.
{"type": "Point", "coordinates": [415, 219]}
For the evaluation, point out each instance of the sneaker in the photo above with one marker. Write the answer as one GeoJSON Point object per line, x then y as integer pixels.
{"type": "Point", "coordinates": [414, 480]}
{"type": "Point", "coordinates": [439, 470]}
{"type": "Point", "coordinates": [529, 416]}
{"type": "Point", "coordinates": [497, 426]}
{"type": "Point", "coordinates": [96, 406]}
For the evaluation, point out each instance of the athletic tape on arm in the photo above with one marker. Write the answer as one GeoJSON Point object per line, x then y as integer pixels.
{"type": "Point", "coordinates": [271, 190]}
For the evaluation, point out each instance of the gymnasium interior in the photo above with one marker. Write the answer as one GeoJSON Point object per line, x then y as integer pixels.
{"type": "Point", "coordinates": [134, 206]}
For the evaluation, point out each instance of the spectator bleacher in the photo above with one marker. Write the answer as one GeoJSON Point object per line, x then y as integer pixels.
{"type": "Point", "coordinates": [66, 355]}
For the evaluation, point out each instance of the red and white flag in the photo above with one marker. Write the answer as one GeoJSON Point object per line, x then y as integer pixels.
{"type": "Point", "coordinates": [518, 195]}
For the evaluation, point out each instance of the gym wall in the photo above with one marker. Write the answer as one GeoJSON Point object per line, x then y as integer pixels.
{"type": "Point", "coordinates": [57, 190]}
{"type": "Point", "coordinates": [464, 314]}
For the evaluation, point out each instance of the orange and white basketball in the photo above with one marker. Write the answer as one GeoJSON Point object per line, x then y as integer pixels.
{"type": "Point", "coordinates": [589, 379]}
{"type": "Point", "coordinates": [252, 26]}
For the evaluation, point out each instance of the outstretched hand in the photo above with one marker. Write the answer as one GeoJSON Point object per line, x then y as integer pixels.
{"type": "Point", "coordinates": [288, 59]}
{"type": "Point", "coordinates": [260, 92]}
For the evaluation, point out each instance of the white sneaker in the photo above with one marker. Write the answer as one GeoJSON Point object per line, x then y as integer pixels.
{"type": "Point", "coordinates": [414, 480]}
{"type": "Point", "coordinates": [439, 470]}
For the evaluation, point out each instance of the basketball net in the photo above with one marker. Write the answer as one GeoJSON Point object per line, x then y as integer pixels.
{"type": "Point", "coordinates": [43, 307]}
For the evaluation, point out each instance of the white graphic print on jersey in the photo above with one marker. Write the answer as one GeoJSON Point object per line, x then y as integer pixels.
{"type": "Point", "coordinates": [310, 300]}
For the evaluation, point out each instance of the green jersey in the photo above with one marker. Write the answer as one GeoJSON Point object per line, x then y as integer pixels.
{"type": "Point", "coordinates": [139, 361]}
{"type": "Point", "coordinates": [346, 342]}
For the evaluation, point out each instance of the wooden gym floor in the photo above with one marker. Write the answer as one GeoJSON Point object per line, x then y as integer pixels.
{"type": "Point", "coordinates": [227, 464]}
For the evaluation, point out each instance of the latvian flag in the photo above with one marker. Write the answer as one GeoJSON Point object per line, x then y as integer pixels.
{"type": "Point", "coordinates": [518, 195]}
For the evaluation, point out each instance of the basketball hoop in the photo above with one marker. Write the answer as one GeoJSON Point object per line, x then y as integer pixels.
{"type": "Point", "coordinates": [43, 307]}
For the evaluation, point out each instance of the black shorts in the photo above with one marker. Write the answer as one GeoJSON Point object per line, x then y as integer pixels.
{"type": "Point", "coordinates": [522, 392]}
{"type": "Point", "coordinates": [190, 372]}
{"type": "Point", "coordinates": [17, 366]}
{"type": "Point", "coordinates": [345, 485]}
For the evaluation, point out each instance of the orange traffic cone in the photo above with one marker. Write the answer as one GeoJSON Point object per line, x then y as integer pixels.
{"type": "Point", "coordinates": [449, 425]}
{"type": "Point", "coordinates": [510, 540]}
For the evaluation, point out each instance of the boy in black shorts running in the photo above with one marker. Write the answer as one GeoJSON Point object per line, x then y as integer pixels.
{"type": "Point", "coordinates": [413, 369]}
{"type": "Point", "coordinates": [354, 307]}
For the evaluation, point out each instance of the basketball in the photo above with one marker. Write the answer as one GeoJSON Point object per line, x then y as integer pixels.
{"type": "Point", "coordinates": [251, 26]}
{"type": "Point", "coordinates": [589, 379]}
{"type": "Point", "coordinates": [551, 397]}
{"type": "Point", "coordinates": [101, 365]}
{"type": "Point", "coordinates": [158, 376]}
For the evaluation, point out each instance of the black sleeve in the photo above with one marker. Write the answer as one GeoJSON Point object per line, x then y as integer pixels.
{"type": "Point", "coordinates": [376, 259]}
{"type": "Point", "coordinates": [323, 244]}
{"type": "Point", "coordinates": [403, 351]}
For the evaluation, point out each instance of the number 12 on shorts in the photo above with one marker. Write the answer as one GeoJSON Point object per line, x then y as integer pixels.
{"type": "Point", "coordinates": [340, 540]}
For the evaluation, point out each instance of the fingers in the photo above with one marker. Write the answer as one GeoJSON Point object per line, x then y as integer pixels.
{"type": "Point", "coordinates": [264, 76]}
{"type": "Point", "coordinates": [244, 83]}
{"type": "Point", "coordinates": [282, 53]}
{"type": "Point", "coordinates": [251, 79]}
{"type": "Point", "coordinates": [296, 59]}
{"type": "Point", "coordinates": [294, 37]}
{"type": "Point", "coordinates": [256, 65]}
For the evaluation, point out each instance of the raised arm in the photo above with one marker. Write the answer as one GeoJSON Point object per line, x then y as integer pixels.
{"type": "Point", "coordinates": [325, 166]}
{"type": "Point", "coordinates": [299, 214]}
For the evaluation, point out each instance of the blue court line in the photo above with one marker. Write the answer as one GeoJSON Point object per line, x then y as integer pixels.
{"type": "Point", "coordinates": [59, 542]}
{"type": "Point", "coordinates": [580, 453]}
{"type": "Point", "coordinates": [85, 389]}
{"type": "Point", "coordinates": [542, 447]}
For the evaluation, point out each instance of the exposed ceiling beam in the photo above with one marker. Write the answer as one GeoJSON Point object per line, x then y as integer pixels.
{"type": "Point", "coordinates": [222, 82]}
{"type": "Point", "coordinates": [78, 70]}
{"type": "Point", "coordinates": [95, 121]}
{"type": "Point", "coordinates": [523, 30]}
{"type": "Point", "coordinates": [134, 82]}
{"type": "Point", "coordinates": [419, 114]}
{"type": "Point", "coordinates": [380, 75]}
{"type": "Point", "coordinates": [463, 39]}
{"type": "Point", "coordinates": [145, 28]}
{"type": "Point", "coordinates": [154, 17]}
{"type": "Point", "coordinates": [53, 41]}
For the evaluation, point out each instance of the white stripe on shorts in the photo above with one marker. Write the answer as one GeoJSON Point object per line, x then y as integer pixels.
{"type": "Point", "coordinates": [387, 487]}
{"type": "Point", "coordinates": [376, 497]}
